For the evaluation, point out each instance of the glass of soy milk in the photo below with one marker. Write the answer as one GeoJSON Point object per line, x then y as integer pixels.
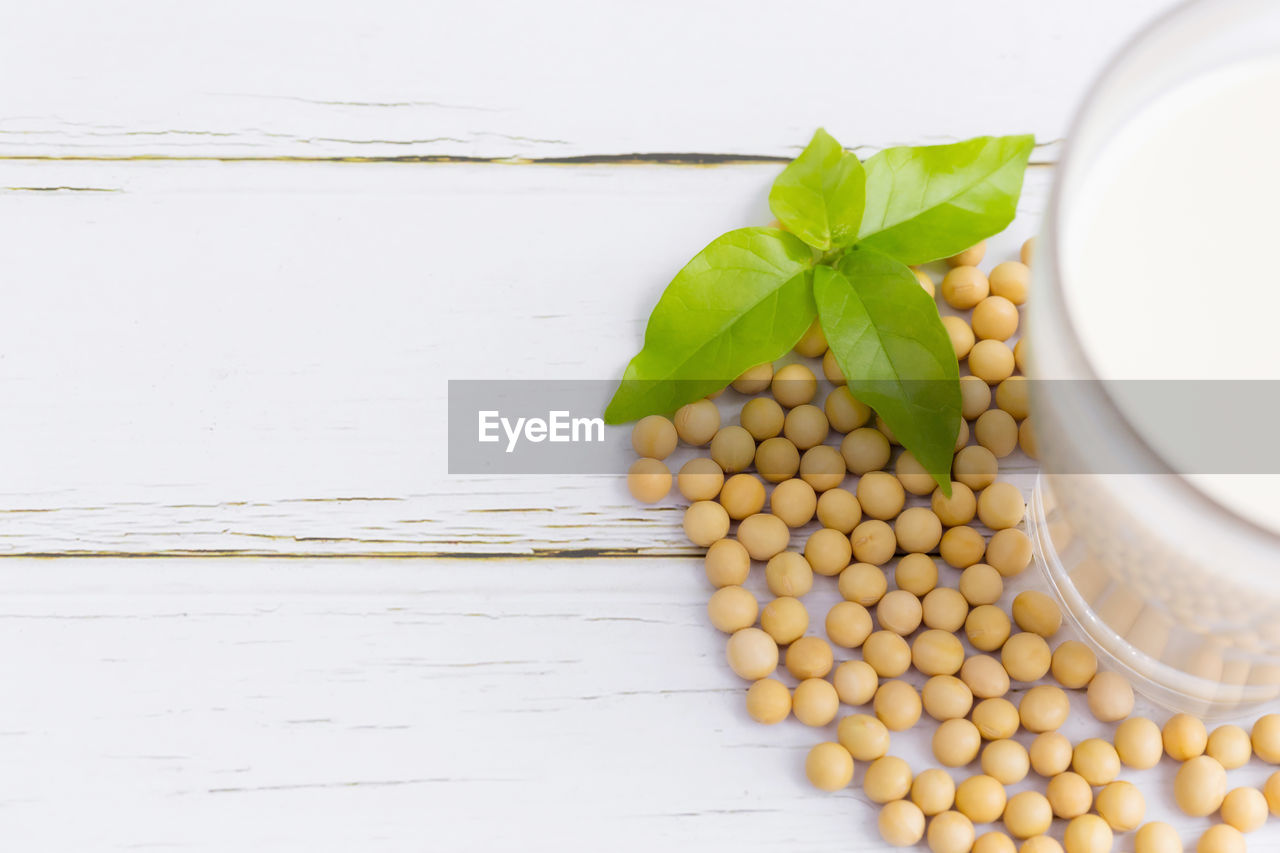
{"type": "Point", "coordinates": [1154, 339]}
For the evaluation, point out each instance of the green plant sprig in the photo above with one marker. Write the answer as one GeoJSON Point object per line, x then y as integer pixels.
{"type": "Point", "coordinates": [850, 228]}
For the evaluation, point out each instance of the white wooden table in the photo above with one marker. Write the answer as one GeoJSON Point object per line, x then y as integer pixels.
{"type": "Point", "coordinates": [245, 245]}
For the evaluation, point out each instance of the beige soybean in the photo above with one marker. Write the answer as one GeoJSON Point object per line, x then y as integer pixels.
{"type": "Point", "coordinates": [863, 583]}
{"type": "Point", "coordinates": [848, 624]}
{"type": "Point", "coordinates": [813, 342]}
{"type": "Point", "coordinates": [1121, 805]}
{"type": "Point", "coordinates": [793, 501]}
{"type": "Point", "coordinates": [957, 510]}
{"type": "Point", "coordinates": [822, 467]}
{"type": "Point", "coordinates": [828, 551]}
{"type": "Point", "coordinates": [1027, 813]}
{"type": "Point", "coordinates": [994, 318]}
{"type": "Point", "coordinates": [944, 608]}
{"type": "Point", "coordinates": [1074, 664]}
{"type": "Point", "coordinates": [1069, 795]}
{"type": "Point", "coordinates": [897, 705]}
{"type": "Point", "coordinates": [913, 476]}
{"type": "Point", "coordinates": [809, 657]}
{"type": "Point", "coordinates": [997, 842]}
{"type": "Point", "coordinates": [864, 736]}
{"type": "Point", "coordinates": [1037, 613]}
{"type": "Point", "coordinates": [956, 742]}
{"type": "Point", "coordinates": [1138, 743]}
{"type": "Point", "coordinates": [865, 450]}
{"type": "Point", "coordinates": [777, 459]}
{"type": "Point", "coordinates": [975, 466]}
{"type": "Point", "coordinates": [1200, 786]}
{"type": "Point", "coordinates": [937, 653]}
{"type": "Point", "coordinates": [753, 380]}
{"type": "Point", "coordinates": [1027, 439]}
{"type": "Point", "coordinates": [654, 437]}
{"type": "Point", "coordinates": [883, 427]}
{"type": "Point", "coordinates": [996, 430]}
{"type": "Point", "coordinates": [1025, 656]}
{"type": "Point", "coordinates": [1271, 790]}
{"type": "Point", "coordinates": [1009, 551]}
{"type": "Point", "coordinates": [1006, 761]}
{"type": "Point", "coordinates": [1013, 397]}
{"type": "Point", "coordinates": [899, 611]}
{"type": "Point", "coordinates": [845, 412]}
{"type": "Point", "coordinates": [829, 767]}
{"type": "Point", "coordinates": [727, 563]}
{"type": "Point", "coordinates": [1245, 809]}
{"type": "Point", "coordinates": [1265, 738]}
{"type": "Point", "coordinates": [961, 334]}
{"type": "Point", "coordinates": [1095, 760]}
{"type": "Point", "coordinates": [1027, 254]}
{"type": "Point", "coordinates": [648, 480]}
{"type": "Point", "coordinates": [794, 385]}
{"type": "Point", "coordinates": [788, 573]}
{"type": "Point", "coordinates": [1040, 844]}
{"type": "Point", "coordinates": [964, 287]}
{"type": "Point", "coordinates": [806, 426]}
{"type": "Point", "coordinates": [933, 791]}
{"type": "Point", "coordinates": [1000, 506]}
{"type": "Point", "coordinates": [1020, 354]}
{"type": "Point", "coordinates": [984, 676]}
{"type": "Point", "coordinates": [995, 719]}
{"type": "Point", "coordinates": [1156, 837]}
{"type": "Point", "coordinates": [700, 479]}
{"type": "Point", "coordinates": [763, 535]}
{"type": "Point", "coordinates": [831, 368]}
{"type": "Point", "coordinates": [991, 361]}
{"type": "Point", "coordinates": [768, 701]}
{"type": "Point", "coordinates": [706, 522]}
{"type": "Point", "coordinates": [946, 697]}
{"type": "Point", "coordinates": [981, 584]}
{"type": "Point", "coordinates": [752, 654]}
{"type": "Point", "coordinates": [1221, 838]}
{"type": "Point", "coordinates": [926, 283]}
{"type": "Point", "coordinates": [901, 823]}
{"type": "Point", "coordinates": [975, 397]}
{"type": "Point", "coordinates": [917, 530]}
{"type": "Point", "coordinates": [961, 547]}
{"type": "Point", "coordinates": [1050, 754]}
{"type": "Point", "coordinates": [1230, 746]}
{"type": "Point", "coordinates": [987, 628]}
{"type": "Point", "coordinates": [1044, 708]}
{"type": "Point", "coordinates": [888, 654]}
{"type": "Point", "coordinates": [1184, 737]}
{"type": "Point", "coordinates": [888, 778]}
{"type": "Point", "coordinates": [733, 449]}
{"type": "Point", "coordinates": [839, 510]}
{"type": "Point", "coordinates": [785, 619]}
{"type": "Point", "coordinates": [970, 256]}
{"type": "Point", "coordinates": [732, 608]}
{"type": "Point", "coordinates": [917, 574]}
{"type": "Point", "coordinates": [742, 495]}
{"type": "Point", "coordinates": [855, 682]}
{"type": "Point", "coordinates": [815, 702]}
{"type": "Point", "coordinates": [762, 417]}
{"type": "Point", "coordinates": [1011, 280]}
{"type": "Point", "coordinates": [696, 423]}
{"type": "Point", "coordinates": [981, 798]}
{"type": "Point", "coordinates": [950, 832]}
{"type": "Point", "coordinates": [880, 495]}
{"type": "Point", "coordinates": [873, 542]}
{"type": "Point", "coordinates": [1087, 833]}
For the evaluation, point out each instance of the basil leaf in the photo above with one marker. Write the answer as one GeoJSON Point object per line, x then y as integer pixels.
{"type": "Point", "coordinates": [888, 339]}
{"type": "Point", "coordinates": [820, 194]}
{"type": "Point", "coordinates": [938, 200]}
{"type": "Point", "coordinates": [744, 299]}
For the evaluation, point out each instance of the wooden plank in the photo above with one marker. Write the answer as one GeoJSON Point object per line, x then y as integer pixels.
{"type": "Point", "coordinates": [259, 79]}
{"type": "Point", "coordinates": [250, 358]}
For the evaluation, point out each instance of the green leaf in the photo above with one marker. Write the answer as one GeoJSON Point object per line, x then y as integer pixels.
{"type": "Point", "coordinates": [938, 200]}
{"type": "Point", "coordinates": [819, 195]}
{"type": "Point", "coordinates": [888, 339]}
{"type": "Point", "coordinates": [744, 299]}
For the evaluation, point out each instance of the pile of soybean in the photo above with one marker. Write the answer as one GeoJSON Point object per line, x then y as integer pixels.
{"type": "Point", "coordinates": [781, 466]}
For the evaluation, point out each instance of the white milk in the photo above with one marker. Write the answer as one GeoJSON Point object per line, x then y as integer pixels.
{"type": "Point", "coordinates": [1169, 258]}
